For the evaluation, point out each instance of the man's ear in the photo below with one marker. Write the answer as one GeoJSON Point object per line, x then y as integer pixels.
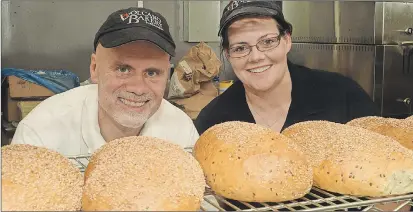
{"type": "Point", "coordinates": [92, 69]}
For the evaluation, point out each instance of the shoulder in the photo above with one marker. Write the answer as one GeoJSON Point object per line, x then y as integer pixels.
{"type": "Point", "coordinates": [169, 118]}
{"type": "Point", "coordinates": [62, 102]}
{"type": "Point", "coordinates": [172, 124]}
{"type": "Point", "coordinates": [331, 91]}
{"type": "Point", "coordinates": [323, 79]}
{"type": "Point", "coordinates": [170, 111]}
{"type": "Point", "coordinates": [59, 108]}
{"type": "Point", "coordinates": [221, 108]}
{"type": "Point", "coordinates": [318, 74]}
{"type": "Point", "coordinates": [56, 122]}
{"type": "Point", "coordinates": [233, 94]}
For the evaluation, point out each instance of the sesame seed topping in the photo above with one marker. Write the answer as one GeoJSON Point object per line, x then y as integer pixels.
{"type": "Point", "coordinates": [322, 139]}
{"type": "Point", "coordinates": [398, 129]}
{"type": "Point", "coordinates": [144, 173]}
{"type": "Point", "coordinates": [262, 160]}
{"type": "Point", "coordinates": [39, 179]}
{"type": "Point", "coordinates": [361, 157]}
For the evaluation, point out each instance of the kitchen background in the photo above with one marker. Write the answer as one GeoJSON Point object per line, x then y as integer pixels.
{"type": "Point", "coordinates": [370, 42]}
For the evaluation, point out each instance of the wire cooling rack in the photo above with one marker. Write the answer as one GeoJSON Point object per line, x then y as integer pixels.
{"type": "Point", "coordinates": [316, 200]}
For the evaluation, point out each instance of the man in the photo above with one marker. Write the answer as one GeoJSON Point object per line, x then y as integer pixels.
{"type": "Point", "coordinates": [129, 70]}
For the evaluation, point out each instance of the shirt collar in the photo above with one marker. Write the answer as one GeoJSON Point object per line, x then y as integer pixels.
{"type": "Point", "coordinates": [90, 124]}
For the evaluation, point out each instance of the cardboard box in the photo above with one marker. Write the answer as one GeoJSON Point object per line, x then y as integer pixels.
{"type": "Point", "coordinates": [20, 88]}
{"type": "Point", "coordinates": [15, 110]}
{"type": "Point", "coordinates": [10, 110]}
{"type": "Point", "coordinates": [25, 107]}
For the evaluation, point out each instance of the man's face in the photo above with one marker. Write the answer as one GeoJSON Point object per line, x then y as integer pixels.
{"type": "Point", "coordinates": [131, 80]}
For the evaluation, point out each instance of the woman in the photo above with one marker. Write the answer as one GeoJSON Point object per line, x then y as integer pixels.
{"type": "Point", "coordinates": [272, 91]}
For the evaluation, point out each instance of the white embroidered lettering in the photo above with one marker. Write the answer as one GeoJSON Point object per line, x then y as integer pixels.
{"type": "Point", "coordinates": [133, 17]}
{"type": "Point", "coordinates": [148, 19]}
{"type": "Point", "coordinates": [235, 4]}
{"type": "Point", "coordinates": [142, 16]}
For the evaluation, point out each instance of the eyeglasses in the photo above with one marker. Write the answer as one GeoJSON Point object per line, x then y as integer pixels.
{"type": "Point", "coordinates": [242, 50]}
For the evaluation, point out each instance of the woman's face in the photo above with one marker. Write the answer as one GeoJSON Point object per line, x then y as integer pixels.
{"type": "Point", "coordinates": [258, 70]}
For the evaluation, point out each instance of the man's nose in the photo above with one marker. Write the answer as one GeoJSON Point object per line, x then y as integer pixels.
{"type": "Point", "coordinates": [255, 55]}
{"type": "Point", "coordinates": [137, 84]}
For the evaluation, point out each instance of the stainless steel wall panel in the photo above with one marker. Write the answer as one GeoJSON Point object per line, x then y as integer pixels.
{"type": "Point", "coordinates": [331, 22]}
{"type": "Point", "coordinates": [397, 84]}
{"type": "Point", "coordinates": [397, 18]}
{"type": "Point", "coordinates": [354, 61]}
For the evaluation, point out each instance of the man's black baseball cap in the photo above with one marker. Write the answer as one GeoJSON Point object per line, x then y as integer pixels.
{"type": "Point", "coordinates": [238, 9]}
{"type": "Point", "coordinates": [132, 24]}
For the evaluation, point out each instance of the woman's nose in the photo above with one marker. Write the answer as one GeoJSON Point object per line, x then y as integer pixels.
{"type": "Point", "coordinates": [255, 55]}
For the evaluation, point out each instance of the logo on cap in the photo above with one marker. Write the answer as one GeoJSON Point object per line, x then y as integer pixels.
{"type": "Point", "coordinates": [234, 4]}
{"type": "Point", "coordinates": [136, 16]}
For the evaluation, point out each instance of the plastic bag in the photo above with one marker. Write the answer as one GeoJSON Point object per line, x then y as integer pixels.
{"type": "Point", "coordinates": [57, 81]}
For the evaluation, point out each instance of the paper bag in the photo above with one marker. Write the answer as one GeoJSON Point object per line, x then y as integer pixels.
{"type": "Point", "coordinates": [199, 65]}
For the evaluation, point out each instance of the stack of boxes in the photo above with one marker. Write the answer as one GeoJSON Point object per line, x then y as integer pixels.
{"type": "Point", "coordinates": [19, 97]}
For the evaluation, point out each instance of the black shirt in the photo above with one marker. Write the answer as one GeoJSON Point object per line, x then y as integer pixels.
{"type": "Point", "coordinates": [316, 95]}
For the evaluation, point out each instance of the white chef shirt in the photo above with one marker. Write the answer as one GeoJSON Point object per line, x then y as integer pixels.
{"type": "Point", "coordinates": [68, 123]}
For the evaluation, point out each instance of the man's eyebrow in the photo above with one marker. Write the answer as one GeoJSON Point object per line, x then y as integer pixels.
{"type": "Point", "coordinates": [154, 69]}
{"type": "Point", "coordinates": [118, 64]}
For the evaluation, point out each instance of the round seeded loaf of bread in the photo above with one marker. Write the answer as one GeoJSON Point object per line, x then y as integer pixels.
{"type": "Point", "coordinates": [398, 129]}
{"type": "Point", "coordinates": [141, 173]}
{"type": "Point", "coordinates": [38, 179]}
{"type": "Point", "coordinates": [352, 160]}
{"type": "Point", "coordinates": [247, 162]}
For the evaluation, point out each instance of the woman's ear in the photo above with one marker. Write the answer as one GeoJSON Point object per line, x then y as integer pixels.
{"type": "Point", "coordinates": [288, 43]}
{"type": "Point", "coordinates": [226, 54]}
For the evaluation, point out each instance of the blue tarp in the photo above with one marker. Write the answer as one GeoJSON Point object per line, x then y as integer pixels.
{"type": "Point", "coordinates": [57, 81]}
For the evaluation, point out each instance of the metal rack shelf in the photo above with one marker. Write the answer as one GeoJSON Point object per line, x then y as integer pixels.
{"type": "Point", "coordinates": [80, 161]}
{"type": "Point", "coordinates": [316, 200]}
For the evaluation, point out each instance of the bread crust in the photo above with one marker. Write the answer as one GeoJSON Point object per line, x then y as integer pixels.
{"type": "Point", "coordinates": [399, 129]}
{"type": "Point", "coordinates": [141, 173]}
{"type": "Point", "coordinates": [247, 162]}
{"type": "Point", "coordinates": [355, 161]}
{"type": "Point", "coordinates": [39, 179]}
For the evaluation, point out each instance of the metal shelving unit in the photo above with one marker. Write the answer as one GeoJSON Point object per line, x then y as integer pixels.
{"type": "Point", "coordinates": [316, 200]}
